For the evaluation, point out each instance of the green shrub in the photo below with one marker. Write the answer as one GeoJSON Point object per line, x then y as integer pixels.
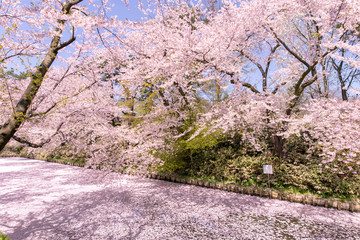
{"type": "Point", "coordinates": [3, 237]}
{"type": "Point", "coordinates": [229, 158]}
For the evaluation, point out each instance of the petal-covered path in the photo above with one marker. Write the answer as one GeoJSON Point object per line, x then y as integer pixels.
{"type": "Point", "coordinates": [42, 200]}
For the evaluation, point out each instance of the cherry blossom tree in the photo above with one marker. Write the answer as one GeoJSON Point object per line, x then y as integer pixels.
{"type": "Point", "coordinates": [36, 32]}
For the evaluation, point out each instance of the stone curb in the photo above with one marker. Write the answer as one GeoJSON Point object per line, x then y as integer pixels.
{"type": "Point", "coordinates": [230, 187]}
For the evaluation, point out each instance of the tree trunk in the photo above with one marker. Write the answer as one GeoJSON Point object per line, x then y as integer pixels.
{"type": "Point", "coordinates": [279, 146]}
{"type": "Point", "coordinates": [344, 95]}
{"type": "Point", "coordinates": [343, 91]}
{"type": "Point", "coordinates": [10, 127]}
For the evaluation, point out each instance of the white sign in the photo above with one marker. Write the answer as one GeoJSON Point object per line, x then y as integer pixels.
{"type": "Point", "coordinates": [268, 169]}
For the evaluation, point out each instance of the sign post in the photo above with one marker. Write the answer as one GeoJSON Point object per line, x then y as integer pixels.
{"type": "Point", "coordinates": [268, 169]}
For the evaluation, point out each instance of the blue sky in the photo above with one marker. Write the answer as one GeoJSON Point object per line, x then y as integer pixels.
{"type": "Point", "coordinates": [124, 12]}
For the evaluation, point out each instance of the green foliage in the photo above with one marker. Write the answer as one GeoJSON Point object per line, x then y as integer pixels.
{"type": "Point", "coordinates": [172, 162]}
{"type": "Point", "coordinates": [200, 142]}
{"type": "Point", "coordinates": [297, 151]}
{"type": "Point", "coordinates": [3, 237]}
{"type": "Point", "coordinates": [229, 158]}
{"type": "Point", "coordinates": [68, 153]}
{"type": "Point", "coordinates": [77, 161]}
{"type": "Point", "coordinates": [19, 148]}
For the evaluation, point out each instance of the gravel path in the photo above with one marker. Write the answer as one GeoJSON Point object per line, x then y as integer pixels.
{"type": "Point", "coordinates": [41, 200]}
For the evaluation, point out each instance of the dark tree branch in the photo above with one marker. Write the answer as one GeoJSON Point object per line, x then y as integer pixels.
{"type": "Point", "coordinates": [34, 145]}
{"type": "Point", "coordinates": [68, 42]}
{"type": "Point", "coordinates": [249, 86]}
{"type": "Point", "coordinates": [289, 50]}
